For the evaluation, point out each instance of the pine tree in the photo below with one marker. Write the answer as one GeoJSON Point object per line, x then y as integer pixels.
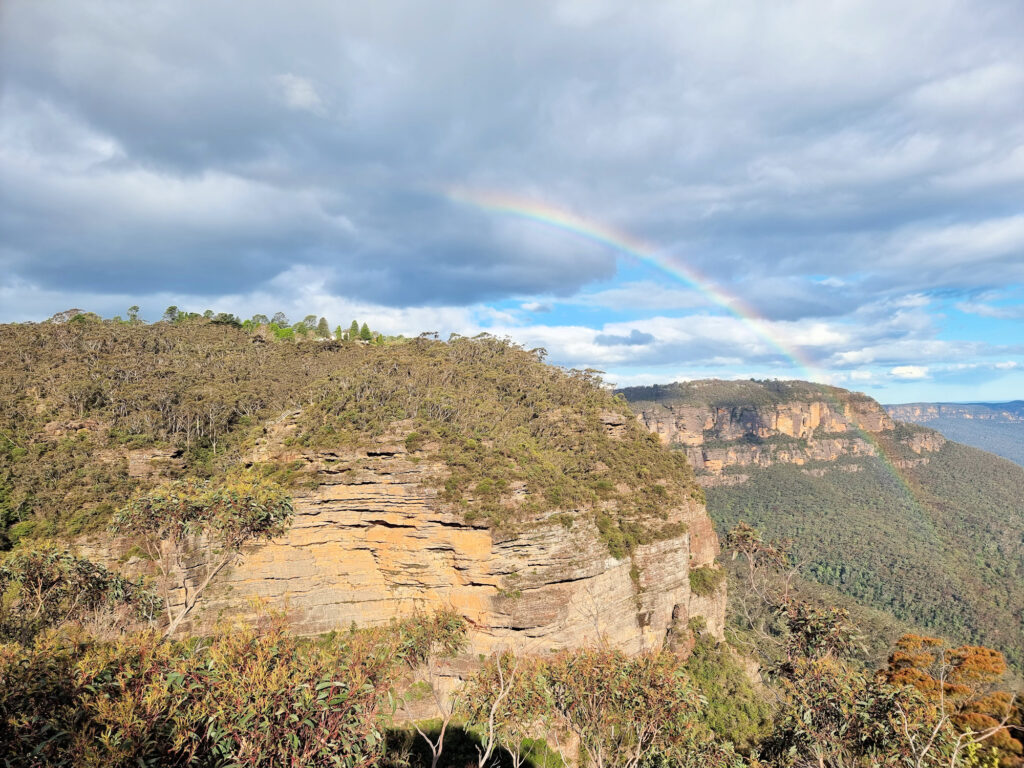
{"type": "Point", "coordinates": [364, 333]}
{"type": "Point", "coordinates": [322, 329]}
{"type": "Point", "coordinates": [353, 331]}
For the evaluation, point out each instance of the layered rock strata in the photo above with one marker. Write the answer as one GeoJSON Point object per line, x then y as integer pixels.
{"type": "Point", "coordinates": [372, 542]}
{"type": "Point", "coordinates": [721, 438]}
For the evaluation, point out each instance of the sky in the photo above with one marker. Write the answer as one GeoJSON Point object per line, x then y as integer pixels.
{"type": "Point", "coordinates": [662, 191]}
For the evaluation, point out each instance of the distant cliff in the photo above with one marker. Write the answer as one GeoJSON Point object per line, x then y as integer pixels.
{"type": "Point", "coordinates": [725, 425]}
{"type": "Point", "coordinates": [919, 413]}
{"type": "Point", "coordinates": [892, 514]}
{"type": "Point", "coordinates": [994, 427]}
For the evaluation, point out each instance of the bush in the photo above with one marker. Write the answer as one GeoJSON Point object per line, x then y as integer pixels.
{"type": "Point", "coordinates": [244, 697]}
{"type": "Point", "coordinates": [706, 580]}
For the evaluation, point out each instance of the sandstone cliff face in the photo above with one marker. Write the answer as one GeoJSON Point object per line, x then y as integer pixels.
{"type": "Point", "coordinates": [696, 425]}
{"type": "Point", "coordinates": [919, 413]}
{"type": "Point", "coordinates": [717, 438]}
{"type": "Point", "coordinates": [371, 543]}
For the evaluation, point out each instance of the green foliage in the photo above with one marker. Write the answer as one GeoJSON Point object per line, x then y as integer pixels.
{"type": "Point", "coordinates": [733, 708]}
{"type": "Point", "coordinates": [508, 698]}
{"type": "Point", "coordinates": [629, 711]}
{"type": "Point", "coordinates": [834, 716]}
{"type": "Point", "coordinates": [420, 638]}
{"type": "Point", "coordinates": [242, 698]}
{"type": "Point", "coordinates": [956, 539]}
{"type": "Point", "coordinates": [244, 508]}
{"type": "Point", "coordinates": [716, 393]}
{"type": "Point", "coordinates": [247, 507]}
{"type": "Point", "coordinates": [78, 396]}
{"type": "Point", "coordinates": [706, 580]}
{"type": "Point", "coordinates": [45, 587]}
{"type": "Point", "coordinates": [503, 421]}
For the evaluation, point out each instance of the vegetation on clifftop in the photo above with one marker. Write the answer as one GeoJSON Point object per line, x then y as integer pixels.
{"type": "Point", "coordinates": [752, 393]}
{"type": "Point", "coordinates": [519, 438]}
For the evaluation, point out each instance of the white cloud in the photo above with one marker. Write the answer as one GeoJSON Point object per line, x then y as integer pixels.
{"type": "Point", "coordinates": [535, 306]}
{"type": "Point", "coordinates": [909, 372]}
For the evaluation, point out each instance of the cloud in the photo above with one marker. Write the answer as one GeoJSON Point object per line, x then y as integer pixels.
{"type": "Point", "coordinates": [535, 306]}
{"type": "Point", "coordinates": [838, 173]}
{"type": "Point", "coordinates": [909, 372]}
{"type": "Point", "coordinates": [742, 168]}
{"type": "Point", "coordinates": [299, 93]}
{"type": "Point", "coordinates": [634, 338]}
{"type": "Point", "coordinates": [1015, 312]}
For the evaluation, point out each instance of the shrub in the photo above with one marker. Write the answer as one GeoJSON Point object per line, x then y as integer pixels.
{"type": "Point", "coordinates": [47, 587]}
{"type": "Point", "coordinates": [706, 580]}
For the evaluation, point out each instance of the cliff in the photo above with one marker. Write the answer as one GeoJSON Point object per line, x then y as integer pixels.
{"type": "Point", "coordinates": [922, 413]}
{"type": "Point", "coordinates": [994, 427]}
{"type": "Point", "coordinates": [465, 473]}
{"type": "Point", "coordinates": [373, 541]}
{"type": "Point", "coordinates": [732, 425]}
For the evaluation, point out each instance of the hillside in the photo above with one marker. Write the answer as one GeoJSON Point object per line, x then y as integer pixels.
{"type": "Point", "coordinates": [994, 427]}
{"type": "Point", "coordinates": [889, 513]}
{"type": "Point", "coordinates": [465, 473]}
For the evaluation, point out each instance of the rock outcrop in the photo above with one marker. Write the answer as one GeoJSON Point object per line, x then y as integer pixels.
{"type": "Point", "coordinates": [782, 423]}
{"type": "Point", "coordinates": [372, 542]}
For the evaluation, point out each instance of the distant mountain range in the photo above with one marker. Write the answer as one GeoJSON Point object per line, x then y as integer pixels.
{"type": "Point", "coordinates": [889, 513]}
{"type": "Point", "coordinates": [994, 427]}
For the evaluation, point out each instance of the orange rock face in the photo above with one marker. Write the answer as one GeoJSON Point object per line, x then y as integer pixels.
{"type": "Point", "coordinates": [717, 438]}
{"type": "Point", "coordinates": [372, 543]}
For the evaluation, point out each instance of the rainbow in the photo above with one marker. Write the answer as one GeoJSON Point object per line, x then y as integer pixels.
{"type": "Point", "coordinates": [634, 248]}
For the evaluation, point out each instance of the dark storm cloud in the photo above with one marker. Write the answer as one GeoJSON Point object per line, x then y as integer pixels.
{"type": "Point", "coordinates": [206, 149]}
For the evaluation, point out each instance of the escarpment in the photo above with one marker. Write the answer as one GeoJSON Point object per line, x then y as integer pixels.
{"type": "Point", "coordinates": [372, 541]}
{"type": "Point", "coordinates": [466, 473]}
{"type": "Point", "coordinates": [724, 427]}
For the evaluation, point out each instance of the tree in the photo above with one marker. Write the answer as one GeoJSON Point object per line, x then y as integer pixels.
{"type": "Point", "coordinates": [280, 319]}
{"type": "Point", "coordinates": [322, 329]}
{"type": "Point", "coordinates": [133, 313]}
{"type": "Point", "coordinates": [966, 684]}
{"type": "Point", "coordinates": [626, 711]}
{"type": "Point", "coordinates": [226, 318]}
{"type": "Point", "coordinates": [364, 333]}
{"type": "Point", "coordinates": [353, 331]}
{"type": "Point", "coordinates": [424, 641]}
{"type": "Point", "coordinates": [835, 717]}
{"type": "Point", "coordinates": [171, 516]}
{"type": "Point", "coordinates": [508, 698]}
{"type": "Point", "coordinates": [260, 320]}
{"type": "Point", "coordinates": [339, 334]}
{"type": "Point", "coordinates": [47, 587]}
{"type": "Point", "coordinates": [170, 314]}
